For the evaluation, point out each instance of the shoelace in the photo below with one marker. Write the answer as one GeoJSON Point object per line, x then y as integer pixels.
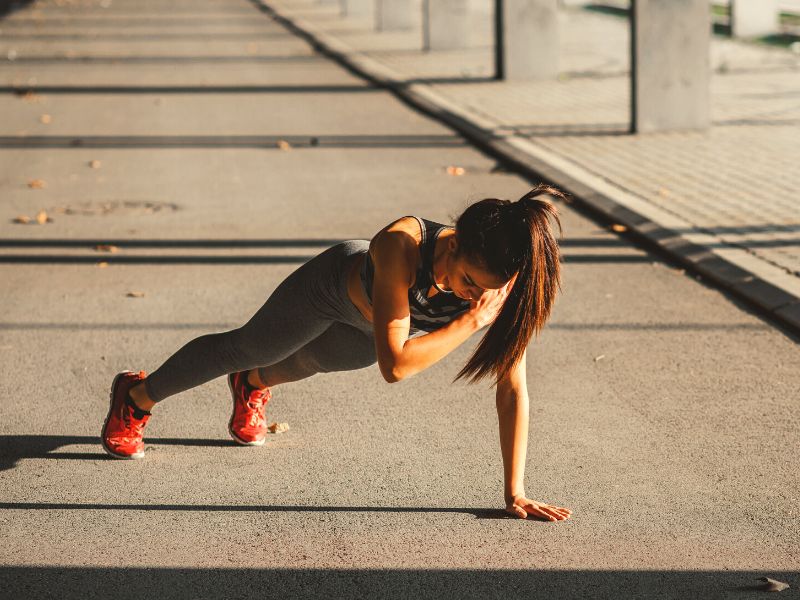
{"type": "Point", "coordinates": [133, 433]}
{"type": "Point", "coordinates": [255, 403]}
{"type": "Point", "coordinates": [132, 424]}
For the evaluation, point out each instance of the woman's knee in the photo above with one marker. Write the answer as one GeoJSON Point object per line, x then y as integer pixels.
{"type": "Point", "coordinates": [341, 348]}
{"type": "Point", "coordinates": [237, 351]}
{"type": "Point", "coordinates": [299, 365]}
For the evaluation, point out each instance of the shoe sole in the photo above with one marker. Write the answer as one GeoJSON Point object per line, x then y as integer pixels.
{"type": "Point", "coordinates": [236, 438]}
{"type": "Point", "coordinates": [138, 455]}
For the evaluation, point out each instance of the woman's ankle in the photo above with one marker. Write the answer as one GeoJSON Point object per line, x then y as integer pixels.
{"type": "Point", "coordinates": [138, 394]}
{"type": "Point", "coordinates": [254, 379]}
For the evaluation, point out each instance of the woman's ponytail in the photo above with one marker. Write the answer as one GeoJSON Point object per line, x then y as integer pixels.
{"type": "Point", "coordinates": [507, 238]}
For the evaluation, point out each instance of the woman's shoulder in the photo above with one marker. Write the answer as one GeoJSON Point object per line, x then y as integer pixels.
{"type": "Point", "coordinates": [410, 225]}
{"type": "Point", "coordinates": [401, 239]}
{"type": "Point", "coordinates": [405, 231]}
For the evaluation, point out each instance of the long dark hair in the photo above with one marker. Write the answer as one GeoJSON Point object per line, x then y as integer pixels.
{"type": "Point", "coordinates": [505, 238]}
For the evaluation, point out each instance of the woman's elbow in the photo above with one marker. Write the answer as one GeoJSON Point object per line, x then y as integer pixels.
{"type": "Point", "coordinates": [391, 373]}
{"type": "Point", "coordinates": [392, 376]}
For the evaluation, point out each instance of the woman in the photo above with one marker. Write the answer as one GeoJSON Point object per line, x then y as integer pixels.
{"type": "Point", "coordinates": [499, 266]}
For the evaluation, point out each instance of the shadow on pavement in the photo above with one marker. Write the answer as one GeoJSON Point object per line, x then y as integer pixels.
{"type": "Point", "coordinates": [88, 244]}
{"type": "Point", "coordinates": [170, 60]}
{"type": "Point", "coordinates": [240, 243]}
{"type": "Point", "coordinates": [168, 583]}
{"type": "Point", "coordinates": [480, 513]}
{"type": "Point", "coordinates": [9, 6]}
{"type": "Point", "coordinates": [148, 37]}
{"type": "Point", "coordinates": [248, 259]}
{"type": "Point", "coordinates": [153, 260]}
{"type": "Point", "coordinates": [16, 447]}
{"type": "Point", "coordinates": [170, 243]}
{"type": "Point", "coordinates": [231, 141]}
{"type": "Point", "coordinates": [163, 326]}
{"type": "Point", "coordinates": [447, 80]}
{"type": "Point", "coordinates": [191, 89]}
{"type": "Point", "coordinates": [144, 20]}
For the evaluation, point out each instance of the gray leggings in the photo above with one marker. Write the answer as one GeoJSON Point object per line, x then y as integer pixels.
{"type": "Point", "coordinates": [308, 325]}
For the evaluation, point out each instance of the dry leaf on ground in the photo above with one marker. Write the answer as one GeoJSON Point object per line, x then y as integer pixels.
{"type": "Point", "coordinates": [24, 219]}
{"type": "Point", "coordinates": [37, 184]}
{"type": "Point", "coordinates": [456, 171]}
{"type": "Point", "coordinates": [135, 294]}
{"type": "Point", "coordinates": [773, 585]}
{"type": "Point", "coordinates": [42, 218]}
{"type": "Point", "coordinates": [619, 228]}
{"type": "Point", "coordinates": [45, 119]}
{"type": "Point", "coordinates": [284, 145]}
{"type": "Point", "coordinates": [95, 164]}
{"type": "Point", "coordinates": [278, 427]}
{"type": "Point", "coordinates": [102, 264]}
{"type": "Point", "coordinates": [106, 248]}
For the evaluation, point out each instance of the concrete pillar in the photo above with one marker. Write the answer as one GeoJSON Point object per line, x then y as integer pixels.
{"type": "Point", "coordinates": [751, 18]}
{"type": "Point", "coordinates": [526, 38]}
{"type": "Point", "coordinates": [670, 66]}
{"type": "Point", "coordinates": [445, 24]}
{"type": "Point", "coordinates": [394, 14]}
{"type": "Point", "coordinates": [358, 8]}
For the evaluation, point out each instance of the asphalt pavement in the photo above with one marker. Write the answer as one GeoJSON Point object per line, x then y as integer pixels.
{"type": "Point", "coordinates": [663, 412]}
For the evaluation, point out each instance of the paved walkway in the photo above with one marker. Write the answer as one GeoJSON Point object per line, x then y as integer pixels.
{"type": "Point", "coordinates": [663, 413]}
{"type": "Point", "coordinates": [732, 189]}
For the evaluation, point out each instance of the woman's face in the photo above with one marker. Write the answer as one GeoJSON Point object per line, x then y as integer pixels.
{"type": "Point", "coordinates": [467, 279]}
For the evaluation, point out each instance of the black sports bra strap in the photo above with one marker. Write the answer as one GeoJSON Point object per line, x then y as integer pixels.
{"type": "Point", "coordinates": [432, 232]}
{"type": "Point", "coordinates": [427, 249]}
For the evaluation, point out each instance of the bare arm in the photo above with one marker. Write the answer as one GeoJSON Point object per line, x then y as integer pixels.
{"type": "Point", "coordinates": [513, 415]}
{"type": "Point", "coordinates": [421, 352]}
{"type": "Point", "coordinates": [399, 356]}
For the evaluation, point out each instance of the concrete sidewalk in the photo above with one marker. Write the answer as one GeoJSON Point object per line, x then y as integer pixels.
{"type": "Point", "coordinates": [725, 202]}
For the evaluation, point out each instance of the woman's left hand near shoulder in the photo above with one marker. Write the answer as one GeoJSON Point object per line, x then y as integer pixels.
{"type": "Point", "coordinates": [521, 507]}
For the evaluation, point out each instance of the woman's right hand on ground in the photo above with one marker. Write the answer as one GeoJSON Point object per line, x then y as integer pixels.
{"type": "Point", "coordinates": [486, 308]}
{"type": "Point", "coordinates": [522, 507]}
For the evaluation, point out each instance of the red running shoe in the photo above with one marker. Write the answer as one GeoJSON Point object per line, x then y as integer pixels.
{"type": "Point", "coordinates": [124, 425]}
{"type": "Point", "coordinates": [248, 424]}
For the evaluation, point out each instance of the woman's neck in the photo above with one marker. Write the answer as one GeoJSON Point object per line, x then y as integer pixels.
{"type": "Point", "coordinates": [441, 258]}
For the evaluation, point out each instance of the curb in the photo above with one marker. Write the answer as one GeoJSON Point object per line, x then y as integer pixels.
{"type": "Point", "coordinates": [588, 192]}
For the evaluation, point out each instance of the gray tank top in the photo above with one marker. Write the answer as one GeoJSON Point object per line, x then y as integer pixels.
{"type": "Point", "coordinates": [427, 314]}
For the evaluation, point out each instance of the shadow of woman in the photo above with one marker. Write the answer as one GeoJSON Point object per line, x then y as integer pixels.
{"type": "Point", "coordinates": [16, 447]}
